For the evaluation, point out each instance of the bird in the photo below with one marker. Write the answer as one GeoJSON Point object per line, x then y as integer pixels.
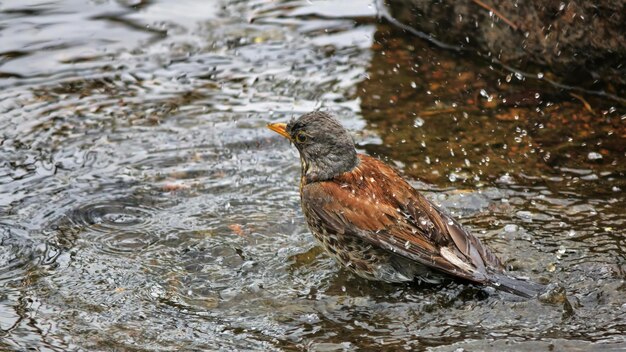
{"type": "Point", "coordinates": [374, 223]}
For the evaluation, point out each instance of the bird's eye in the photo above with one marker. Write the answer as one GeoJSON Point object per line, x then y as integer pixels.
{"type": "Point", "coordinates": [301, 137]}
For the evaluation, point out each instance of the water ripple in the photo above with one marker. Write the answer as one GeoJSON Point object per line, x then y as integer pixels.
{"type": "Point", "coordinates": [17, 253]}
{"type": "Point", "coordinates": [118, 226]}
{"type": "Point", "coordinates": [143, 205]}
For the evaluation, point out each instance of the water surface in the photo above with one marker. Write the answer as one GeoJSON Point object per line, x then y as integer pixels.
{"type": "Point", "coordinates": [144, 206]}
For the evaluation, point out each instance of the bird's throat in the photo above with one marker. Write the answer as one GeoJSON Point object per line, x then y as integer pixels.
{"type": "Point", "coordinates": [324, 169]}
{"type": "Point", "coordinates": [304, 167]}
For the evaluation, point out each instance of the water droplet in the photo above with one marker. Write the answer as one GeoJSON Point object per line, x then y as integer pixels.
{"type": "Point", "coordinates": [510, 228]}
{"type": "Point", "coordinates": [540, 75]}
{"type": "Point", "coordinates": [506, 178]}
{"type": "Point", "coordinates": [418, 122]}
{"type": "Point", "coordinates": [594, 156]}
{"type": "Point", "coordinates": [413, 85]}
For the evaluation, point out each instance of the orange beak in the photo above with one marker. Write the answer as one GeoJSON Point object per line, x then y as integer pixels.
{"type": "Point", "coordinates": [280, 128]}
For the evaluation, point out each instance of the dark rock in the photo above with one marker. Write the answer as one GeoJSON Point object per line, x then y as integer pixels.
{"type": "Point", "coordinates": [579, 41]}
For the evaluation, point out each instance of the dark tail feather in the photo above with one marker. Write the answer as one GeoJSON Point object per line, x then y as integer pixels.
{"type": "Point", "coordinates": [516, 286]}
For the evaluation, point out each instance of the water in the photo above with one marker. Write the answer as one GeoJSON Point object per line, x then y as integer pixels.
{"type": "Point", "coordinates": [144, 206]}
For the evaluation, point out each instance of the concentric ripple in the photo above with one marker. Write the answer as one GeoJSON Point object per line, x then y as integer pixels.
{"type": "Point", "coordinates": [106, 217]}
{"type": "Point", "coordinates": [117, 226]}
{"type": "Point", "coordinates": [16, 254]}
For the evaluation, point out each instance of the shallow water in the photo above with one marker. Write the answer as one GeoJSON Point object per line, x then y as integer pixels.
{"type": "Point", "coordinates": [144, 206]}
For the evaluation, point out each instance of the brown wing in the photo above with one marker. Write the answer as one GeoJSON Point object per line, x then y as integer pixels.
{"type": "Point", "coordinates": [374, 203]}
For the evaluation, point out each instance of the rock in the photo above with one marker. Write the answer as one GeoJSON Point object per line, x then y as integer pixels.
{"type": "Point", "coordinates": [575, 39]}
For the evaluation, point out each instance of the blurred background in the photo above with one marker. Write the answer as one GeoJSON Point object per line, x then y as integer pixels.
{"type": "Point", "coordinates": [145, 207]}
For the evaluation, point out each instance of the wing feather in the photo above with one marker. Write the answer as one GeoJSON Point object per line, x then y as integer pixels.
{"type": "Point", "coordinates": [375, 204]}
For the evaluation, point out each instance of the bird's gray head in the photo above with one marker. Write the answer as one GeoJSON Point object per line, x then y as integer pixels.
{"type": "Point", "coordinates": [326, 149]}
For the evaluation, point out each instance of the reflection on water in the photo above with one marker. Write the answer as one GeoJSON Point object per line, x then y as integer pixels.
{"type": "Point", "coordinates": [143, 205]}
